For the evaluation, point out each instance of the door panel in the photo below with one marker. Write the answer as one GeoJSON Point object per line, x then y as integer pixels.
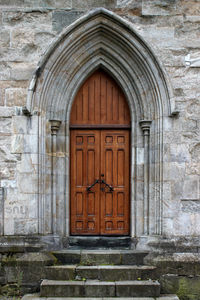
{"type": "Point", "coordinates": [115, 167]}
{"type": "Point", "coordinates": [85, 159]}
{"type": "Point", "coordinates": [102, 155]}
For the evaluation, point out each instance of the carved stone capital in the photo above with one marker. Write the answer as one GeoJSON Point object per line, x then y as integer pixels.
{"type": "Point", "coordinates": [145, 125]}
{"type": "Point", "coordinates": [55, 125]}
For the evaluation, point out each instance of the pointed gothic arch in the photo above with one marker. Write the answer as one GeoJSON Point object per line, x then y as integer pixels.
{"type": "Point", "coordinates": [100, 39]}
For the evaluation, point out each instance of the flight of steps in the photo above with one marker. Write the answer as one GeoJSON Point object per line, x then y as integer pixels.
{"type": "Point", "coordinates": [100, 274]}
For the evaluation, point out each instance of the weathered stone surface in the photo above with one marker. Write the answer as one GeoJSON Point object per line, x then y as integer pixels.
{"type": "Point", "coordinates": [130, 8]}
{"type": "Point", "coordinates": [43, 38]}
{"type": "Point", "coordinates": [17, 144]}
{"type": "Point", "coordinates": [61, 288]}
{"type": "Point", "coordinates": [93, 3]}
{"type": "Point", "coordinates": [65, 272]}
{"type": "Point", "coordinates": [188, 8]}
{"type": "Point", "coordinates": [137, 288]}
{"type": "Point", "coordinates": [21, 71]}
{"type": "Point", "coordinates": [68, 257]}
{"type": "Point", "coordinates": [28, 19]}
{"type": "Point", "coordinates": [61, 19]}
{"type": "Point", "coordinates": [184, 287]}
{"type": "Point", "coordinates": [100, 257]}
{"type": "Point", "coordinates": [5, 38]}
{"type": "Point", "coordinates": [158, 7]}
{"type": "Point", "coordinates": [22, 37]}
{"type": "Point", "coordinates": [15, 97]}
{"type": "Point", "coordinates": [37, 3]}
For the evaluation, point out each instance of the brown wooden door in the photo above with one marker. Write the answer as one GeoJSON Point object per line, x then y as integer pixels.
{"type": "Point", "coordinates": [100, 155]}
{"type": "Point", "coordinates": [100, 107]}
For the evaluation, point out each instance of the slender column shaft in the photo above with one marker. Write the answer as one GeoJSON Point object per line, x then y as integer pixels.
{"type": "Point", "coordinates": [55, 125]}
{"type": "Point", "coordinates": [145, 125]}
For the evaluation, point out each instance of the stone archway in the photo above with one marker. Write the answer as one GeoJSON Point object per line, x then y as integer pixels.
{"type": "Point", "coordinates": [100, 39]}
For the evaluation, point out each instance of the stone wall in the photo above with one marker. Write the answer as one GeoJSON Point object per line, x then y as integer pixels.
{"type": "Point", "coordinates": [171, 29]}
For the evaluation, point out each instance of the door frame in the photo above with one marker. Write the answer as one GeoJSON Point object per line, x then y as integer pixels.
{"type": "Point", "coordinates": [103, 127]}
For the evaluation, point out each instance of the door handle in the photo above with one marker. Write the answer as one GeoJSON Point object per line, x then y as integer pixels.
{"type": "Point", "coordinates": [88, 189]}
{"type": "Point", "coordinates": [101, 181]}
{"type": "Point", "coordinates": [109, 186]}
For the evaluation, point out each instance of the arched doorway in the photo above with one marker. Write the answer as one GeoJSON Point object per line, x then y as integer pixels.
{"type": "Point", "coordinates": [99, 159]}
{"type": "Point", "coordinates": [100, 39]}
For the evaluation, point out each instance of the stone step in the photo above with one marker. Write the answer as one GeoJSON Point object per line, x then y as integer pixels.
{"type": "Point", "coordinates": [103, 273]}
{"type": "Point", "coordinates": [4, 249]}
{"type": "Point", "coordinates": [96, 288]}
{"type": "Point", "coordinates": [100, 242]}
{"type": "Point", "coordinates": [37, 297]}
{"type": "Point", "coordinates": [100, 257]}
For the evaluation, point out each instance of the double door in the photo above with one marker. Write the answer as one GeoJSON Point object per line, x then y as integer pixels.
{"type": "Point", "coordinates": [99, 182]}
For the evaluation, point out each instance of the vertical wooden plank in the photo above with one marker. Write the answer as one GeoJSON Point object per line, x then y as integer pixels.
{"type": "Point", "coordinates": [79, 107]}
{"type": "Point", "coordinates": [91, 98]}
{"type": "Point", "coordinates": [103, 97]}
{"type": "Point", "coordinates": [85, 103]}
{"type": "Point", "coordinates": [109, 102]}
{"type": "Point", "coordinates": [121, 108]}
{"type": "Point", "coordinates": [115, 108]}
{"type": "Point", "coordinates": [97, 99]}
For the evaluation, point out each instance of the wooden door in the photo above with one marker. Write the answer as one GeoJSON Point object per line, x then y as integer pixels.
{"type": "Point", "coordinates": [100, 123]}
{"type": "Point", "coordinates": [101, 155]}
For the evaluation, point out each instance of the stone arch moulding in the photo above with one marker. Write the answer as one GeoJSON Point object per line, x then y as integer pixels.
{"type": "Point", "coordinates": [100, 39]}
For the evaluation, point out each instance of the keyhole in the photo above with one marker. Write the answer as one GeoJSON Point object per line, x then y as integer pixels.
{"type": "Point", "coordinates": [102, 175]}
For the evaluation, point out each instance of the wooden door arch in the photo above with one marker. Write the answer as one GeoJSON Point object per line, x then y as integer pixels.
{"type": "Point", "coordinates": [100, 188]}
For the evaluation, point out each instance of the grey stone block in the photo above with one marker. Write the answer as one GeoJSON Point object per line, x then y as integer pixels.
{"type": "Point", "coordinates": [68, 256]}
{"type": "Point", "coordinates": [88, 272]}
{"type": "Point", "coordinates": [100, 257]}
{"type": "Point", "coordinates": [129, 257]}
{"type": "Point", "coordinates": [158, 7]}
{"type": "Point", "coordinates": [66, 272]}
{"type": "Point", "coordinates": [88, 4]}
{"type": "Point", "coordinates": [99, 289]}
{"type": "Point", "coordinates": [61, 19]}
{"type": "Point", "coordinates": [137, 289]}
{"type": "Point", "coordinates": [51, 288]}
{"type": "Point", "coordinates": [119, 273]}
{"type": "Point", "coordinates": [5, 38]}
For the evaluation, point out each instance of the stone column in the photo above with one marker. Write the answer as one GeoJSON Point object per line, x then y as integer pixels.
{"type": "Point", "coordinates": [1, 211]}
{"type": "Point", "coordinates": [145, 125]}
{"type": "Point", "coordinates": [55, 125]}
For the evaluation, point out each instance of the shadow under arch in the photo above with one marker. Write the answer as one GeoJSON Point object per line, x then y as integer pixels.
{"type": "Point", "coordinates": [100, 39]}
